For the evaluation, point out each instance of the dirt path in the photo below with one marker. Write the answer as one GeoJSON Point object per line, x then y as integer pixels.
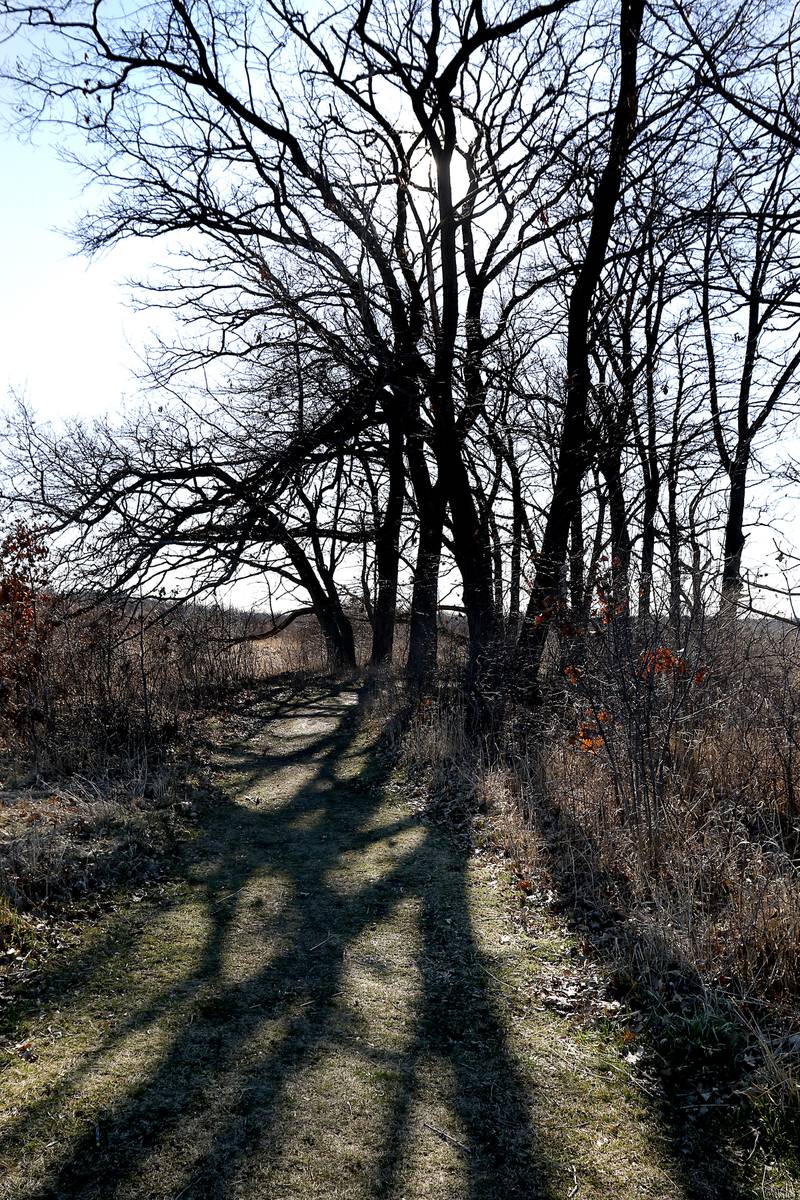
{"type": "Point", "coordinates": [328, 1005]}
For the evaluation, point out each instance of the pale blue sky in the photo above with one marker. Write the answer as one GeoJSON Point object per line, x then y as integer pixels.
{"type": "Point", "coordinates": [64, 322]}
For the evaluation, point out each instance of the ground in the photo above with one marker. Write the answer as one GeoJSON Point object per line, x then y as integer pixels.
{"type": "Point", "coordinates": [331, 1000]}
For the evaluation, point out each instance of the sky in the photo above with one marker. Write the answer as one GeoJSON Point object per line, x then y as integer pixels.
{"type": "Point", "coordinates": [70, 341]}
{"type": "Point", "coordinates": [67, 334]}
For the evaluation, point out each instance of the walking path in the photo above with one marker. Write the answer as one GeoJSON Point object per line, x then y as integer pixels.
{"type": "Point", "coordinates": [327, 1004]}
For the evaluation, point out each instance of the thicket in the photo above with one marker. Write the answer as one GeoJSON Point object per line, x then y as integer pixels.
{"type": "Point", "coordinates": [100, 751]}
{"type": "Point", "coordinates": [651, 801]}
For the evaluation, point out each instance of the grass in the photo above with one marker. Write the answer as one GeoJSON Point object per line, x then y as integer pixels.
{"type": "Point", "coordinates": [18, 935]}
{"type": "Point", "coordinates": [333, 998]}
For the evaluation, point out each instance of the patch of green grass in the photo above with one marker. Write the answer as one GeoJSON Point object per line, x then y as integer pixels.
{"type": "Point", "coordinates": [17, 932]}
{"type": "Point", "coordinates": [701, 1042]}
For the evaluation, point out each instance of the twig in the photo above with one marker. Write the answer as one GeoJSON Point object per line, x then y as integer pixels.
{"type": "Point", "coordinates": [228, 895]}
{"type": "Point", "coordinates": [447, 1137]}
{"type": "Point", "coordinates": [510, 987]}
{"type": "Point", "coordinates": [322, 943]}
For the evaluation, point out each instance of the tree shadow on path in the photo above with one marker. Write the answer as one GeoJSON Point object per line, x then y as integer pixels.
{"type": "Point", "coordinates": [338, 955]}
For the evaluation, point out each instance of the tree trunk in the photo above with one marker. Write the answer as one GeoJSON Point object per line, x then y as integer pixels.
{"type": "Point", "coordinates": [649, 511]}
{"type": "Point", "coordinates": [387, 554]}
{"type": "Point", "coordinates": [423, 636]}
{"type": "Point", "coordinates": [517, 518]}
{"type": "Point", "coordinates": [620, 533]}
{"type": "Point", "coordinates": [338, 634]}
{"type": "Point", "coordinates": [577, 565]}
{"type": "Point", "coordinates": [471, 539]}
{"type": "Point", "coordinates": [334, 623]}
{"type": "Point", "coordinates": [424, 630]}
{"type": "Point", "coordinates": [573, 452]}
{"type": "Point", "coordinates": [674, 549]}
{"type": "Point", "coordinates": [734, 530]}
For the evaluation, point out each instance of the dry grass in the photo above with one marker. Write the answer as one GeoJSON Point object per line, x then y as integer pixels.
{"type": "Point", "coordinates": [668, 832]}
{"type": "Point", "coordinates": [687, 806]}
{"type": "Point", "coordinates": [335, 1002]}
{"type": "Point", "coordinates": [98, 753]}
{"type": "Point", "coordinates": [113, 687]}
{"type": "Point", "coordinates": [62, 843]}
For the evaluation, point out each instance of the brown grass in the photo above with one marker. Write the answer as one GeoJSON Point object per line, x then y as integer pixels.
{"type": "Point", "coordinates": [668, 831]}
{"type": "Point", "coordinates": [98, 752]}
{"type": "Point", "coordinates": [333, 1001]}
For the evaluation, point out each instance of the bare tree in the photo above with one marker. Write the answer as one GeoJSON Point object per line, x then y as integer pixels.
{"type": "Point", "coordinates": [747, 295]}
{"type": "Point", "coordinates": [394, 228]}
{"type": "Point", "coordinates": [574, 454]}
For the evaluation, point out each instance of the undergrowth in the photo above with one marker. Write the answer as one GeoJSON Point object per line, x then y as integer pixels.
{"type": "Point", "coordinates": [691, 909]}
